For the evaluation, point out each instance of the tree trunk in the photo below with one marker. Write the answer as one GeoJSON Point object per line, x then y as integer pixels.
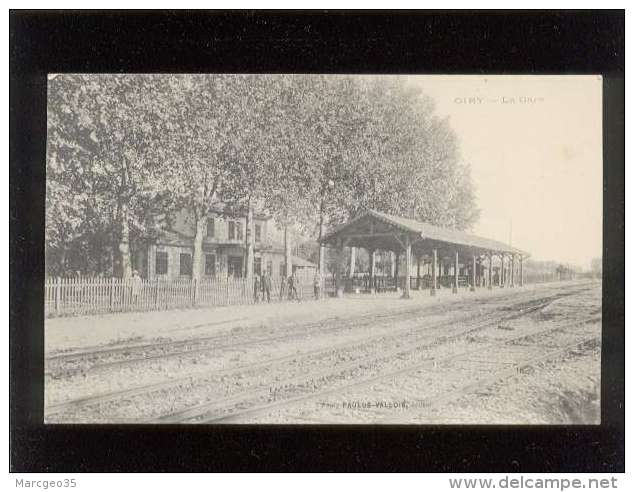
{"type": "Point", "coordinates": [124, 243]}
{"type": "Point", "coordinates": [62, 263]}
{"type": "Point", "coordinates": [197, 257]}
{"type": "Point", "coordinates": [287, 253]}
{"type": "Point", "coordinates": [114, 261]}
{"type": "Point", "coordinates": [250, 242]}
{"type": "Point", "coordinates": [322, 249]}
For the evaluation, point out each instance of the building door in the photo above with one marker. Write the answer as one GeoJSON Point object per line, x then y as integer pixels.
{"type": "Point", "coordinates": [234, 266]}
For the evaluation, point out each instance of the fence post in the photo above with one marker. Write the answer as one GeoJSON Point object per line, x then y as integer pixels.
{"type": "Point", "coordinates": [156, 293]}
{"type": "Point", "coordinates": [57, 285]}
{"type": "Point", "coordinates": [111, 293]}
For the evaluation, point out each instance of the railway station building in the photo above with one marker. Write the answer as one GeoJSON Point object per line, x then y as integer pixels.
{"type": "Point", "coordinates": [435, 257]}
{"type": "Point", "coordinates": [169, 254]}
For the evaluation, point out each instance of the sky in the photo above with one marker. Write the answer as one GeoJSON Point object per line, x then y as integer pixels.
{"type": "Point", "coordinates": [534, 145]}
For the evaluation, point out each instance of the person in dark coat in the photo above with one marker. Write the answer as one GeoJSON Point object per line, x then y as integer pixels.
{"type": "Point", "coordinates": [291, 288]}
{"type": "Point", "coordinates": [256, 288]}
{"type": "Point", "coordinates": [266, 286]}
{"type": "Point", "coordinates": [317, 284]}
{"type": "Point", "coordinates": [294, 284]}
{"type": "Point", "coordinates": [136, 283]}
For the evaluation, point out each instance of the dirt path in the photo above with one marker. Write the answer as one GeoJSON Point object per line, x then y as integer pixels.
{"type": "Point", "coordinates": [83, 333]}
{"type": "Point", "coordinates": [219, 375]}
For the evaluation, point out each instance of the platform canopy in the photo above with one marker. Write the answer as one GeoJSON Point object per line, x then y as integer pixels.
{"type": "Point", "coordinates": [379, 231]}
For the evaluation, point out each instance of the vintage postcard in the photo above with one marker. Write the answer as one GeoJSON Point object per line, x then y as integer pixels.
{"type": "Point", "coordinates": [323, 249]}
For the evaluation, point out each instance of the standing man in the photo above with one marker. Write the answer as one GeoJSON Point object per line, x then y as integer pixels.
{"type": "Point", "coordinates": [317, 284]}
{"type": "Point", "coordinates": [295, 286]}
{"type": "Point", "coordinates": [266, 286]}
{"type": "Point", "coordinates": [291, 288]}
{"type": "Point", "coordinates": [283, 283]}
{"type": "Point", "coordinates": [256, 288]}
{"type": "Point", "coordinates": [136, 286]}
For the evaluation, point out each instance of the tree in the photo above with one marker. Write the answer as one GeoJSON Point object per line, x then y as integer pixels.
{"type": "Point", "coordinates": [100, 128]}
{"type": "Point", "coordinates": [328, 130]}
{"type": "Point", "coordinates": [261, 146]}
{"type": "Point", "coordinates": [344, 144]}
{"type": "Point", "coordinates": [199, 151]}
{"type": "Point", "coordinates": [311, 150]}
{"type": "Point", "coordinates": [295, 173]}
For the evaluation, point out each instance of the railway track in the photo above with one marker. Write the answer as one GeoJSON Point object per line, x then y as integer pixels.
{"type": "Point", "coordinates": [202, 413]}
{"type": "Point", "coordinates": [429, 365]}
{"type": "Point", "coordinates": [528, 304]}
{"type": "Point", "coordinates": [84, 361]}
{"type": "Point", "coordinates": [500, 374]}
{"type": "Point", "coordinates": [430, 333]}
{"type": "Point", "coordinates": [96, 351]}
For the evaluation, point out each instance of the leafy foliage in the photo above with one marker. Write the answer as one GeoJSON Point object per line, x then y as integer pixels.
{"type": "Point", "coordinates": [311, 150]}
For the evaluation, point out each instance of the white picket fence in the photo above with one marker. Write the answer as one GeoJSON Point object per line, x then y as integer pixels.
{"type": "Point", "coordinates": [75, 296]}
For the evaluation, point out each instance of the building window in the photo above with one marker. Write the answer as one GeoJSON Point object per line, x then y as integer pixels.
{"type": "Point", "coordinates": [258, 233]}
{"type": "Point", "coordinates": [186, 264]}
{"type": "Point", "coordinates": [210, 265]}
{"type": "Point", "coordinates": [257, 266]}
{"type": "Point", "coordinates": [234, 266]}
{"type": "Point", "coordinates": [239, 230]}
{"type": "Point", "coordinates": [210, 228]}
{"type": "Point", "coordinates": [161, 263]}
{"type": "Point", "coordinates": [232, 229]}
{"type": "Point", "coordinates": [283, 270]}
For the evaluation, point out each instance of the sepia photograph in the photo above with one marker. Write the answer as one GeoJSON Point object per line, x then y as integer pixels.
{"type": "Point", "coordinates": [323, 249]}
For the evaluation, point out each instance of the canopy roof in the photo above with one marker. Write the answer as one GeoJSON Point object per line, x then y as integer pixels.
{"type": "Point", "coordinates": [377, 230]}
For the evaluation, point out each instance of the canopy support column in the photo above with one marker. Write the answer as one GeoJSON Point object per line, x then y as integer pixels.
{"type": "Point", "coordinates": [353, 260]}
{"type": "Point", "coordinates": [490, 272]}
{"type": "Point", "coordinates": [397, 260]}
{"type": "Point", "coordinates": [417, 272]}
{"type": "Point", "coordinates": [434, 271]}
{"type": "Point", "coordinates": [456, 269]}
{"type": "Point", "coordinates": [521, 271]}
{"type": "Point", "coordinates": [473, 275]}
{"type": "Point", "coordinates": [501, 276]}
{"type": "Point", "coordinates": [408, 266]}
{"type": "Point", "coordinates": [512, 279]}
{"type": "Point", "coordinates": [339, 269]}
{"type": "Point", "coordinates": [372, 257]}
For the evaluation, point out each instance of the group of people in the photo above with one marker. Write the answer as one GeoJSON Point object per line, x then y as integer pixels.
{"type": "Point", "coordinates": [289, 288]}
{"type": "Point", "coordinates": [262, 287]}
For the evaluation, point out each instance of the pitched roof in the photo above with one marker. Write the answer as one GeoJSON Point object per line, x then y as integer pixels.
{"type": "Point", "coordinates": [435, 233]}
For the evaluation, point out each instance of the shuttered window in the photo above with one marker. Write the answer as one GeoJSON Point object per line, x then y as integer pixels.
{"type": "Point", "coordinates": [186, 264]}
{"type": "Point", "coordinates": [210, 265]}
{"type": "Point", "coordinates": [161, 262]}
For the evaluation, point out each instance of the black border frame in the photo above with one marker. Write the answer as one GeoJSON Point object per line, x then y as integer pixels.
{"type": "Point", "coordinates": [491, 42]}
